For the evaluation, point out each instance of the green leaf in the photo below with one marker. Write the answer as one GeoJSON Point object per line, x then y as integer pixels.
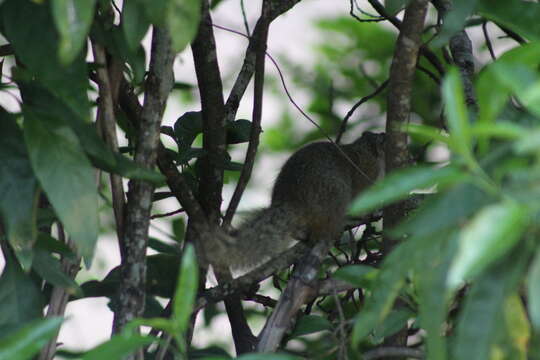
{"type": "Point", "coordinates": [396, 320]}
{"type": "Point", "coordinates": [482, 314]}
{"type": "Point", "coordinates": [52, 245]}
{"type": "Point", "coordinates": [20, 299]}
{"type": "Point", "coordinates": [399, 184]}
{"type": "Point", "coordinates": [186, 290]}
{"type": "Point", "coordinates": [492, 93]}
{"type": "Point", "coordinates": [390, 280]}
{"type": "Point", "coordinates": [529, 142]}
{"type": "Point", "coordinates": [485, 239]}
{"type": "Point", "coordinates": [431, 133]}
{"type": "Point", "coordinates": [359, 275]}
{"type": "Point", "coordinates": [456, 112]}
{"type": "Point", "coordinates": [29, 340]}
{"type": "Point", "coordinates": [163, 247]}
{"type": "Point", "coordinates": [238, 131]}
{"type": "Point", "coordinates": [50, 269]}
{"type": "Point", "coordinates": [66, 176]}
{"type": "Point", "coordinates": [454, 21]}
{"type": "Point", "coordinates": [433, 296]}
{"type": "Point", "coordinates": [183, 18]}
{"type": "Point", "coordinates": [517, 326]}
{"type": "Point", "coordinates": [22, 20]}
{"type": "Point", "coordinates": [444, 211]}
{"type": "Point", "coordinates": [309, 324]}
{"type": "Point", "coordinates": [394, 6]}
{"type": "Point", "coordinates": [519, 16]}
{"type": "Point", "coordinates": [18, 191]}
{"type": "Point", "coordinates": [500, 129]}
{"type": "Point", "coordinates": [134, 23]}
{"type": "Point", "coordinates": [187, 127]}
{"type": "Point", "coordinates": [119, 346]}
{"type": "Point", "coordinates": [522, 81]}
{"type": "Point", "coordinates": [533, 292]}
{"type": "Point", "coordinates": [180, 17]}
{"type": "Point", "coordinates": [192, 153]}
{"type": "Point", "coordinates": [73, 19]}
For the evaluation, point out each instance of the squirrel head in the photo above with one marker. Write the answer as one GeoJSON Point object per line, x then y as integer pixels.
{"type": "Point", "coordinates": [374, 144]}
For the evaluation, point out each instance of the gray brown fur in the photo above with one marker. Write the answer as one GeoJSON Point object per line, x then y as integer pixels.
{"type": "Point", "coordinates": [309, 201]}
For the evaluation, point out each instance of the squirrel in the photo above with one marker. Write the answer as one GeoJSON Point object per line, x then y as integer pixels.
{"type": "Point", "coordinates": [309, 201]}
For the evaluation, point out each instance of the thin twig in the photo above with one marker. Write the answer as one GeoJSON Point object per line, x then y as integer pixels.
{"type": "Point", "coordinates": [59, 296]}
{"type": "Point", "coordinates": [171, 213]}
{"type": "Point", "coordinates": [256, 120]}
{"type": "Point", "coordinates": [244, 17]}
{"type": "Point", "coordinates": [342, 329]}
{"type": "Point", "coordinates": [488, 41]}
{"type": "Point", "coordinates": [373, 18]}
{"type": "Point", "coordinates": [343, 125]}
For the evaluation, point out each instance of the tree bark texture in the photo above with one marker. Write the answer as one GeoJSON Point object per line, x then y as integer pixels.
{"type": "Point", "coordinates": [131, 294]}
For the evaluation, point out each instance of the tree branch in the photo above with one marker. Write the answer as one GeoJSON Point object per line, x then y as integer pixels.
{"type": "Point", "coordinates": [175, 180]}
{"type": "Point", "coordinates": [399, 99]}
{"type": "Point", "coordinates": [211, 165]}
{"type": "Point", "coordinates": [133, 268]}
{"type": "Point", "coordinates": [106, 118]}
{"type": "Point", "coordinates": [424, 50]}
{"type": "Point", "coordinates": [399, 102]}
{"type": "Point", "coordinates": [275, 8]}
{"type": "Point", "coordinates": [461, 50]}
{"type": "Point", "coordinates": [260, 51]}
{"type": "Point", "coordinates": [301, 287]}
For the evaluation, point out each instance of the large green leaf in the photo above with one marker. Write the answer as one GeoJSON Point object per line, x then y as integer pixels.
{"type": "Point", "coordinates": [20, 299]}
{"type": "Point", "coordinates": [180, 17]}
{"type": "Point", "coordinates": [433, 296]}
{"type": "Point", "coordinates": [390, 280]}
{"type": "Point", "coordinates": [22, 22]}
{"type": "Point", "coordinates": [444, 211]}
{"type": "Point", "coordinates": [18, 190]}
{"type": "Point", "coordinates": [488, 236]}
{"type": "Point", "coordinates": [186, 290]}
{"type": "Point", "coordinates": [310, 324]}
{"type": "Point", "coordinates": [118, 346]}
{"type": "Point", "coordinates": [73, 19]}
{"type": "Point", "coordinates": [492, 93]}
{"type": "Point", "coordinates": [399, 184]}
{"type": "Point", "coordinates": [66, 175]}
{"type": "Point", "coordinates": [519, 16]}
{"type": "Point", "coordinates": [49, 268]}
{"type": "Point", "coordinates": [457, 116]}
{"type": "Point", "coordinates": [482, 314]}
{"type": "Point", "coordinates": [46, 104]}
{"type": "Point", "coordinates": [183, 22]}
{"type": "Point", "coordinates": [454, 20]}
{"type": "Point", "coordinates": [134, 23]}
{"type": "Point", "coordinates": [29, 340]}
{"type": "Point", "coordinates": [515, 341]}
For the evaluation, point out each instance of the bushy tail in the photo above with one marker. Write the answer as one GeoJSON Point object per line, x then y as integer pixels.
{"type": "Point", "coordinates": [266, 234]}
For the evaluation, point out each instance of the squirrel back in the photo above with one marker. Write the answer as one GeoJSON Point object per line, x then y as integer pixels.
{"type": "Point", "coordinates": [309, 201]}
